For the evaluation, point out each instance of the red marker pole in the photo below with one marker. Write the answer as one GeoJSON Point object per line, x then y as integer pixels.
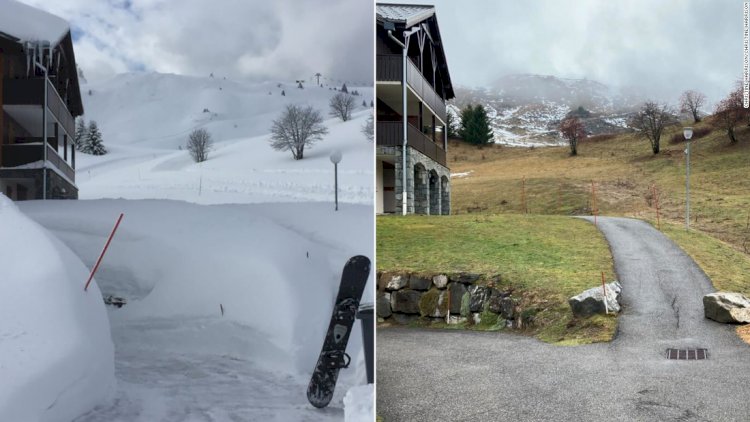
{"type": "Point", "coordinates": [99, 261]}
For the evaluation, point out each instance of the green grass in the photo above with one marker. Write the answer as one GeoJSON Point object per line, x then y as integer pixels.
{"type": "Point", "coordinates": [546, 259]}
{"type": "Point", "coordinates": [728, 268]}
{"type": "Point", "coordinates": [562, 254]}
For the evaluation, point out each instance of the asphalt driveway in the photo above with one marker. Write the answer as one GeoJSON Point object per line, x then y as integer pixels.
{"type": "Point", "coordinates": [445, 375]}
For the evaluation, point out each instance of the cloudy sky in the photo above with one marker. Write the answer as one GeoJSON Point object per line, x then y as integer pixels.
{"type": "Point", "coordinates": [256, 39]}
{"type": "Point", "coordinates": [662, 47]}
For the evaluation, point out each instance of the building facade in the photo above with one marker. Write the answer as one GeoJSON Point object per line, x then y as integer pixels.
{"type": "Point", "coordinates": [39, 101]}
{"type": "Point", "coordinates": [412, 86]}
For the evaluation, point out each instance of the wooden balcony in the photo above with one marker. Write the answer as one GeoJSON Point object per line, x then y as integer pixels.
{"type": "Point", "coordinates": [389, 68]}
{"type": "Point", "coordinates": [15, 155]}
{"type": "Point", "coordinates": [31, 92]}
{"type": "Point", "coordinates": [391, 134]}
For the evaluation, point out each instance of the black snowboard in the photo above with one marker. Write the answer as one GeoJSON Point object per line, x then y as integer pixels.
{"type": "Point", "coordinates": [333, 356]}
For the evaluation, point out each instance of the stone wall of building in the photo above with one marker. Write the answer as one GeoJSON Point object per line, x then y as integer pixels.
{"type": "Point", "coordinates": [420, 169]}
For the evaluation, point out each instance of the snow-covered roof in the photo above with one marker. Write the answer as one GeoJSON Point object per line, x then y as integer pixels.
{"type": "Point", "coordinates": [408, 14]}
{"type": "Point", "coordinates": [26, 23]}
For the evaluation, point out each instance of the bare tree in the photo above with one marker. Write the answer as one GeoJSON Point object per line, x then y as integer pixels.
{"type": "Point", "coordinates": [199, 144]}
{"type": "Point", "coordinates": [368, 129]}
{"type": "Point", "coordinates": [729, 113]}
{"type": "Point", "coordinates": [296, 128]}
{"type": "Point", "coordinates": [573, 130]}
{"type": "Point", "coordinates": [691, 102]}
{"type": "Point", "coordinates": [651, 120]}
{"type": "Point", "coordinates": [342, 105]}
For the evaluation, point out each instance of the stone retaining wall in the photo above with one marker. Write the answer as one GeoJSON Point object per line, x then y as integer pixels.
{"type": "Point", "coordinates": [453, 298]}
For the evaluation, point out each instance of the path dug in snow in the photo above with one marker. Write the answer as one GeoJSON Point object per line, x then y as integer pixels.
{"type": "Point", "coordinates": [176, 357]}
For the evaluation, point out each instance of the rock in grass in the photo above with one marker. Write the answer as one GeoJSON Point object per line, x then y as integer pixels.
{"type": "Point", "coordinates": [418, 282]}
{"type": "Point", "coordinates": [465, 278]}
{"type": "Point", "coordinates": [394, 281]}
{"type": "Point", "coordinates": [440, 281]}
{"type": "Point", "coordinates": [383, 305]}
{"type": "Point", "coordinates": [405, 301]}
{"type": "Point", "coordinates": [434, 303]}
{"type": "Point", "coordinates": [591, 301]}
{"type": "Point", "coordinates": [727, 307]}
{"type": "Point", "coordinates": [479, 295]}
{"type": "Point", "coordinates": [457, 291]}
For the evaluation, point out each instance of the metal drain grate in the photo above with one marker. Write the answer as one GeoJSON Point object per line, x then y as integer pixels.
{"type": "Point", "coordinates": [687, 354]}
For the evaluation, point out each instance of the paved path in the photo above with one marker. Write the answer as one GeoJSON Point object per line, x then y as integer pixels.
{"type": "Point", "coordinates": [436, 375]}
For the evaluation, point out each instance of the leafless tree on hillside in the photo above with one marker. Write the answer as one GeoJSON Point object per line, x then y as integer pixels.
{"type": "Point", "coordinates": [297, 128]}
{"type": "Point", "coordinates": [199, 144]}
{"type": "Point", "coordinates": [573, 130]}
{"type": "Point", "coordinates": [342, 105]}
{"type": "Point", "coordinates": [691, 102]}
{"type": "Point", "coordinates": [651, 120]}
{"type": "Point", "coordinates": [729, 113]}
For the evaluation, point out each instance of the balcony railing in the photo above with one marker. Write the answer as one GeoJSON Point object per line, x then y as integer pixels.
{"type": "Point", "coordinates": [391, 134]}
{"type": "Point", "coordinates": [31, 92]}
{"type": "Point", "coordinates": [15, 155]}
{"type": "Point", "coordinates": [389, 68]}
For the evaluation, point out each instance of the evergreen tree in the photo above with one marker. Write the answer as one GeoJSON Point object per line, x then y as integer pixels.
{"type": "Point", "coordinates": [344, 89]}
{"type": "Point", "coordinates": [475, 125]}
{"type": "Point", "coordinates": [451, 126]}
{"type": "Point", "coordinates": [93, 143]}
{"type": "Point", "coordinates": [81, 133]}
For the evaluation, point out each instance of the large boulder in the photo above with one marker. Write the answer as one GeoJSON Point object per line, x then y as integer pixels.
{"type": "Point", "coordinates": [456, 291]}
{"type": "Point", "coordinates": [405, 301]}
{"type": "Point", "coordinates": [418, 282]}
{"type": "Point", "coordinates": [592, 301]}
{"type": "Point", "coordinates": [383, 305]}
{"type": "Point", "coordinates": [727, 307]}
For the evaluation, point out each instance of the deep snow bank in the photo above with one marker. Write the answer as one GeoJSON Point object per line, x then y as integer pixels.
{"type": "Point", "coordinates": [56, 353]}
{"type": "Point", "coordinates": [272, 267]}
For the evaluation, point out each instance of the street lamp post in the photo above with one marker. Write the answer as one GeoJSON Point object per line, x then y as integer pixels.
{"type": "Point", "coordinates": [336, 159]}
{"type": "Point", "coordinates": [688, 133]}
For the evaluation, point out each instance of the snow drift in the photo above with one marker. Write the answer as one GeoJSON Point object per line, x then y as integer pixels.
{"type": "Point", "coordinates": [56, 353]}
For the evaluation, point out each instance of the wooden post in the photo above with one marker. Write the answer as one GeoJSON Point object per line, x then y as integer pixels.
{"type": "Point", "coordinates": [593, 201]}
{"type": "Point", "coordinates": [559, 198]}
{"type": "Point", "coordinates": [656, 205]}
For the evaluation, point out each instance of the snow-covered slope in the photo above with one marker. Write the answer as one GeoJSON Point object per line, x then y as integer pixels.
{"type": "Point", "coordinates": [146, 117]}
{"type": "Point", "coordinates": [56, 353]}
{"type": "Point", "coordinates": [526, 110]}
{"type": "Point", "coordinates": [229, 267]}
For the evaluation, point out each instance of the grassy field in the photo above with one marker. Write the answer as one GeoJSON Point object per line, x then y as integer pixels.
{"type": "Point", "coordinates": [625, 174]}
{"type": "Point", "coordinates": [552, 257]}
{"type": "Point", "coordinates": [546, 258]}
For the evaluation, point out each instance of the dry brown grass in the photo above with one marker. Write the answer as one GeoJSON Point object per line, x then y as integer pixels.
{"type": "Point", "coordinates": [624, 170]}
{"type": "Point", "coordinates": [744, 332]}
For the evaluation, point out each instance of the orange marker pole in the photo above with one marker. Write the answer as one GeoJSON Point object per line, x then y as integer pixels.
{"type": "Point", "coordinates": [523, 196]}
{"type": "Point", "coordinates": [99, 261]}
